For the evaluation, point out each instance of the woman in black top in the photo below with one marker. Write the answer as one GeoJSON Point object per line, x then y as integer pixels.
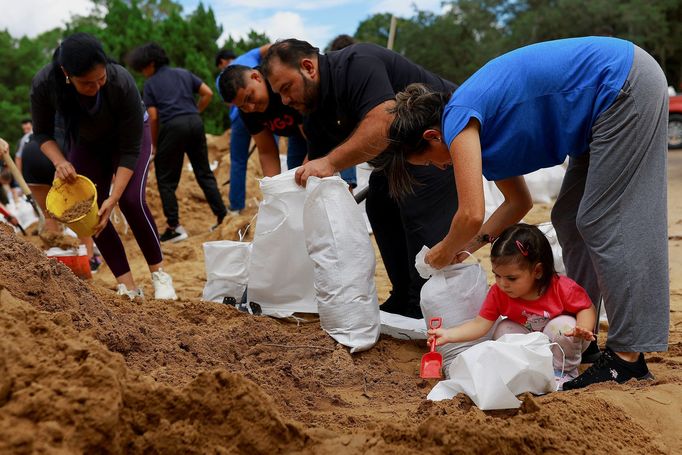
{"type": "Point", "coordinates": [107, 136]}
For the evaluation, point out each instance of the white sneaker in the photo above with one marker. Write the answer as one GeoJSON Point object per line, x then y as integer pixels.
{"type": "Point", "coordinates": [163, 286]}
{"type": "Point", "coordinates": [121, 289]}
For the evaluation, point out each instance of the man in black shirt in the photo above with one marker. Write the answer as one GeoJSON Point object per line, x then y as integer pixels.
{"type": "Point", "coordinates": [345, 97]}
{"type": "Point", "coordinates": [264, 116]}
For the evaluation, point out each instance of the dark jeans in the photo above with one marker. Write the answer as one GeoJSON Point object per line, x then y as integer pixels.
{"type": "Point", "coordinates": [239, 157]}
{"type": "Point", "coordinates": [402, 228]}
{"type": "Point", "coordinates": [180, 135]}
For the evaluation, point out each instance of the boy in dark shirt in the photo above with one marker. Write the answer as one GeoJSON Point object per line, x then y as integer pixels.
{"type": "Point", "coordinates": [177, 128]}
{"type": "Point", "coordinates": [264, 116]}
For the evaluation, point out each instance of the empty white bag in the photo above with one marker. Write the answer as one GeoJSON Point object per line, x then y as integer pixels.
{"type": "Point", "coordinates": [343, 263]}
{"type": "Point", "coordinates": [454, 293]}
{"type": "Point", "coordinates": [402, 327]}
{"type": "Point", "coordinates": [493, 373]}
{"type": "Point", "coordinates": [227, 273]}
{"type": "Point", "coordinates": [280, 271]}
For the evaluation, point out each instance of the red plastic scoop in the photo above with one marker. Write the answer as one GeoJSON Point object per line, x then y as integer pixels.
{"type": "Point", "coordinates": [432, 362]}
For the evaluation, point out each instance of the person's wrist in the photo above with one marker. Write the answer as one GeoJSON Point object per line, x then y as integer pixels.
{"type": "Point", "coordinates": [331, 164]}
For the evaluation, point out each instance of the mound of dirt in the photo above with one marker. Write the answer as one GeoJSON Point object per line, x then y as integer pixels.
{"type": "Point", "coordinates": [63, 391]}
{"type": "Point", "coordinates": [197, 376]}
{"type": "Point", "coordinates": [83, 370]}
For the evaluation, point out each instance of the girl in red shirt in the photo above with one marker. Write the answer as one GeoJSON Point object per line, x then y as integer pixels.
{"type": "Point", "coordinates": [533, 298]}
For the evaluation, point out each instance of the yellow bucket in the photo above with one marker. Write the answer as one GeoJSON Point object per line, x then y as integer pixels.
{"type": "Point", "coordinates": [63, 196]}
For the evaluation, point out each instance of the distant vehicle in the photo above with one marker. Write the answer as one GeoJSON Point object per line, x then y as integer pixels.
{"type": "Point", "coordinates": [675, 123]}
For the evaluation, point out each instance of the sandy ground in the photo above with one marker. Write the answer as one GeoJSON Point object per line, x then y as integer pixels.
{"type": "Point", "coordinates": [84, 371]}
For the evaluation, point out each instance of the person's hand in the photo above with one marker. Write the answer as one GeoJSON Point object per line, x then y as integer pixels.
{"type": "Point", "coordinates": [439, 335]}
{"type": "Point", "coordinates": [440, 256]}
{"type": "Point", "coordinates": [65, 172]}
{"type": "Point", "coordinates": [580, 332]}
{"type": "Point", "coordinates": [320, 167]}
{"type": "Point", "coordinates": [104, 213]}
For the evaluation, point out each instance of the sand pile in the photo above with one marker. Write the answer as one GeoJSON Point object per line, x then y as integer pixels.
{"type": "Point", "coordinates": [60, 390]}
{"type": "Point", "coordinates": [69, 391]}
{"type": "Point", "coordinates": [196, 376]}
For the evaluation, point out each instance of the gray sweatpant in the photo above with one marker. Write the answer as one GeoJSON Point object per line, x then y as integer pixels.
{"type": "Point", "coordinates": [611, 213]}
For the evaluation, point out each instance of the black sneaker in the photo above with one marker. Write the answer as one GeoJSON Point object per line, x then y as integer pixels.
{"type": "Point", "coordinates": [610, 367]}
{"type": "Point", "coordinates": [395, 305]}
{"type": "Point", "coordinates": [591, 354]}
{"type": "Point", "coordinates": [173, 235]}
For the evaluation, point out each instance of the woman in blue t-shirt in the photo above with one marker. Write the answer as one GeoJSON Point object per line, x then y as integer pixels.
{"type": "Point", "coordinates": [603, 103]}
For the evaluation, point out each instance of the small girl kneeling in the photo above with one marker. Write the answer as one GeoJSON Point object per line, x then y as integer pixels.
{"type": "Point", "coordinates": [533, 298]}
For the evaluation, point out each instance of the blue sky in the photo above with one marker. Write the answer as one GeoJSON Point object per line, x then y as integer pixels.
{"type": "Point", "coordinates": [317, 21]}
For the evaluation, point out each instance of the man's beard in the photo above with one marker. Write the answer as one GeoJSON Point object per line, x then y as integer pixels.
{"type": "Point", "coordinates": [310, 95]}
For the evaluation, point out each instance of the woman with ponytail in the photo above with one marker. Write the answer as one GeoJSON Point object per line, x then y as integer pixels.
{"type": "Point", "coordinates": [107, 135]}
{"type": "Point", "coordinates": [603, 102]}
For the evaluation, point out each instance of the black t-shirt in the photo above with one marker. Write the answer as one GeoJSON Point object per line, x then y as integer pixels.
{"type": "Point", "coordinates": [282, 120]}
{"type": "Point", "coordinates": [171, 91]}
{"type": "Point", "coordinates": [115, 126]}
{"type": "Point", "coordinates": [353, 81]}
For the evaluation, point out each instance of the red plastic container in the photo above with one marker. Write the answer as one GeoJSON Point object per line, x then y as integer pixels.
{"type": "Point", "coordinates": [76, 260]}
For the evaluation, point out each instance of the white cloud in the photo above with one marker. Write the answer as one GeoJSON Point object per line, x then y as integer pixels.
{"type": "Point", "coordinates": [280, 25]}
{"type": "Point", "coordinates": [32, 17]}
{"type": "Point", "coordinates": [405, 8]}
{"type": "Point", "coordinates": [276, 4]}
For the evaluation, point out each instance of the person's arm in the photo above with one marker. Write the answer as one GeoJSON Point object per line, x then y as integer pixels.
{"type": "Point", "coordinates": [121, 179]}
{"type": "Point", "coordinates": [205, 95]}
{"type": "Point", "coordinates": [467, 229]}
{"type": "Point", "coordinates": [517, 202]}
{"type": "Point", "coordinates": [468, 331]}
{"type": "Point", "coordinates": [585, 321]}
{"type": "Point", "coordinates": [63, 169]}
{"type": "Point", "coordinates": [268, 153]}
{"type": "Point", "coordinates": [367, 141]}
{"type": "Point", "coordinates": [153, 127]}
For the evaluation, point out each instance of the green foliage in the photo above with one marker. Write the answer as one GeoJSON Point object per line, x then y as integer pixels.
{"type": "Point", "coordinates": [453, 44]}
{"type": "Point", "coordinates": [191, 42]}
{"type": "Point", "coordinates": [471, 32]}
{"type": "Point", "coordinates": [21, 58]}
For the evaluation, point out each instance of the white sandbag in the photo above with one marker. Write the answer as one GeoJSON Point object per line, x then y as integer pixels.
{"type": "Point", "coordinates": [493, 198]}
{"type": "Point", "coordinates": [227, 272]}
{"type": "Point", "coordinates": [492, 373]}
{"type": "Point", "coordinates": [454, 293]}
{"type": "Point", "coordinates": [544, 184]}
{"type": "Point", "coordinates": [280, 271]}
{"type": "Point", "coordinates": [402, 327]}
{"type": "Point", "coordinates": [23, 211]}
{"type": "Point", "coordinates": [548, 229]}
{"type": "Point", "coordinates": [343, 263]}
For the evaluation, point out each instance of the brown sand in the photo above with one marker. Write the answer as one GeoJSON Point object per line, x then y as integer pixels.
{"type": "Point", "coordinates": [92, 372]}
{"type": "Point", "coordinates": [75, 211]}
{"type": "Point", "coordinates": [51, 239]}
